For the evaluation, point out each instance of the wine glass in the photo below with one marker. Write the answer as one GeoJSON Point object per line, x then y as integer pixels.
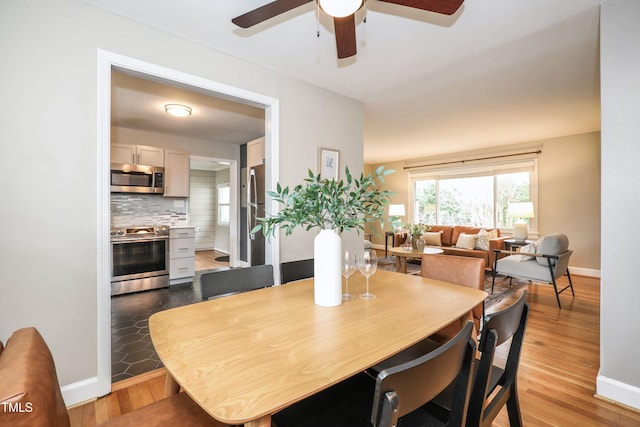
{"type": "Point", "coordinates": [368, 264]}
{"type": "Point", "coordinates": [348, 268]}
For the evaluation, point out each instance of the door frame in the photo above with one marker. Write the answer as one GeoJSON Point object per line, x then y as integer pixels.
{"type": "Point", "coordinates": [107, 61]}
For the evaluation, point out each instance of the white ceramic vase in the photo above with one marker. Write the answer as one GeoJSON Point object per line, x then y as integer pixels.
{"type": "Point", "coordinates": [327, 282]}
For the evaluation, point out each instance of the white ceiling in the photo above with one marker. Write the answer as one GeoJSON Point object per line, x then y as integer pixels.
{"type": "Point", "coordinates": [497, 72]}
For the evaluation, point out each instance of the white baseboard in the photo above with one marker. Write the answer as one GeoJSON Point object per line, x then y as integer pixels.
{"type": "Point", "coordinates": [618, 391]}
{"type": "Point", "coordinates": [80, 392]}
{"type": "Point", "coordinates": [589, 272]}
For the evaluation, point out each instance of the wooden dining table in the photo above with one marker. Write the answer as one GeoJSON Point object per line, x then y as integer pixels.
{"type": "Point", "coordinates": [244, 357]}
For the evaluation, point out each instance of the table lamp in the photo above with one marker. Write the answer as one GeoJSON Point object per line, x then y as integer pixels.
{"type": "Point", "coordinates": [395, 212]}
{"type": "Point", "coordinates": [520, 210]}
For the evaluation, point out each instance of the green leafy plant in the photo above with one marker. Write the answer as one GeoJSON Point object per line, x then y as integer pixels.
{"type": "Point", "coordinates": [340, 205]}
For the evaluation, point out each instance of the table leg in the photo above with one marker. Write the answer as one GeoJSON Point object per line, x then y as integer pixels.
{"type": "Point", "coordinates": [463, 321]}
{"type": "Point", "coordinates": [401, 264]}
{"type": "Point", "coordinates": [171, 387]}
{"type": "Point", "coordinates": [262, 422]}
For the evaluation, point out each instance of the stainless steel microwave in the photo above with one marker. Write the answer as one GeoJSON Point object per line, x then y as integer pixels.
{"type": "Point", "coordinates": [136, 179]}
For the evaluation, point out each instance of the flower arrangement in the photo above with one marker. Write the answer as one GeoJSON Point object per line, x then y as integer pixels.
{"type": "Point", "coordinates": [417, 229]}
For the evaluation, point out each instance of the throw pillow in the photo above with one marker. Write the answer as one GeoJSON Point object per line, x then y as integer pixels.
{"type": "Point", "coordinates": [483, 239]}
{"type": "Point", "coordinates": [466, 241]}
{"type": "Point", "coordinates": [432, 238]}
{"type": "Point", "coordinates": [552, 244]}
{"type": "Point", "coordinates": [482, 242]}
{"type": "Point", "coordinates": [527, 249]}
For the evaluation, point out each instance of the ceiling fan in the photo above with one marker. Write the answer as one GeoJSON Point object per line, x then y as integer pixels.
{"type": "Point", "coordinates": [343, 13]}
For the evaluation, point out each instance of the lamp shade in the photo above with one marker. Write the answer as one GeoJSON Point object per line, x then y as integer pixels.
{"type": "Point", "coordinates": [520, 210]}
{"type": "Point", "coordinates": [396, 210]}
{"type": "Point", "coordinates": [340, 8]}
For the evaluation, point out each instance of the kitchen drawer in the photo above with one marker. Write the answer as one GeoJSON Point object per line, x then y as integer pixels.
{"type": "Point", "coordinates": [182, 233]}
{"type": "Point", "coordinates": [182, 267]}
{"type": "Point", "coordinates": [181, 248]}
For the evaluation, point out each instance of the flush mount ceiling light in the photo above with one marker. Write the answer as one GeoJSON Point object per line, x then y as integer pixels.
{"type": "Point", "coordinates": [178, 110]}
{"type": "Point", "coordinates": [340, 8]}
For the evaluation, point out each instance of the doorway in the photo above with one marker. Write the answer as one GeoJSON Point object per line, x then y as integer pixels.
{"type": "Point", "coordinates": [107, 61]}
{"type": "Point", "coordinates": [210, 210]}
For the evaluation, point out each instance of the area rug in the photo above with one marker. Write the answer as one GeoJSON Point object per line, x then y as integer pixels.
{"type": "Point", "coordinates": [223, 258]}
{"type": "Point", "coordinates": [502, 288]}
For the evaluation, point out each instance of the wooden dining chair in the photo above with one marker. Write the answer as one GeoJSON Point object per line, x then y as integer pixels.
{"type": "Point", "coordinates": [493, 386]}
{"type": "Point", "coordinates": [221, 283]}
{"type": "Point", "coordinates": [398, 393]}
{"type": "Point", "coordinates": [464, 271]}
{"type": "Point", "coordinates": [504, 327]}
{"type": "Point", "coordinates": [296, 270]}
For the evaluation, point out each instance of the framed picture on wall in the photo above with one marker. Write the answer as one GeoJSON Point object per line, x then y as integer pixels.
{"type": "Point", "coordinates": [329, 163]}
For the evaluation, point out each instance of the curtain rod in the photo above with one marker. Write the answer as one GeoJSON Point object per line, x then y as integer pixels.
{"type": "Point", "coordinates": [473, 160]}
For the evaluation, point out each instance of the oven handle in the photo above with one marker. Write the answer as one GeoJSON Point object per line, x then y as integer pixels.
{"type": "Point", "coordinates": [144, 239]}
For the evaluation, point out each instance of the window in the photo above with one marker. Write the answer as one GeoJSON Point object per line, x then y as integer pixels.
{"type": "Point", "coordinates": [474, 196]}
{"type": "Point", "coordinates": [224, 199]}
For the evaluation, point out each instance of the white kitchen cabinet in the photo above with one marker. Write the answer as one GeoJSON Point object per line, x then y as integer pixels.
{"type": "Point", "coordinates": [255, 152]}
{"type": "Point", "coordinates": [182, 256]}
{"type": "Point", "coordinates": [137, 155]}
{"type": "Point", "coordinates": [176, 173]}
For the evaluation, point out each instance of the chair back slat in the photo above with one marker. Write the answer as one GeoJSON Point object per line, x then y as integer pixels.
{"type": "Point", "coordinates": [296, 270]}
{"type": "Point", "coordinates": [227, 282]}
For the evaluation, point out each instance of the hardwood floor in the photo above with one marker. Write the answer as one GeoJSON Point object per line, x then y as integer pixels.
{"type": "Point", "coordinates": [207, 259]}
{"type": "Point", "coordinates": [558, 367]}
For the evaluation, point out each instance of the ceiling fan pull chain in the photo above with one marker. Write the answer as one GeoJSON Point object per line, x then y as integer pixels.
{"type": "Point", "coordinates": [318, 18]}
{"type": "Point", "coordinates": [364, 17]}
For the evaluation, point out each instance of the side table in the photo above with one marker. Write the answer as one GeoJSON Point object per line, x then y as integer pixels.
{"type": "Point", "coordinates": [512, 244]}
{"type": "Point", "coordinates": [388, 234]}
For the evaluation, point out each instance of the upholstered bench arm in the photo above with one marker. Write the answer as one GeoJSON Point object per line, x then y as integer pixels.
{"type": "Point", "coordinates": [29, 390]}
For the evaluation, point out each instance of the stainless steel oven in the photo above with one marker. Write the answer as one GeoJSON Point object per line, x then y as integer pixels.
{"type": "Point", "coordinates": [139, 259]}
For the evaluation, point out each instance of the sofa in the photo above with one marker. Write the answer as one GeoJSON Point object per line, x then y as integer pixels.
{"type": "Point", "coordinates": [461, 240]}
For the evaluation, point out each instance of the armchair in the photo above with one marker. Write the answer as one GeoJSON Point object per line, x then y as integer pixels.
{"type": "Point", "coordinates": [547, 262]}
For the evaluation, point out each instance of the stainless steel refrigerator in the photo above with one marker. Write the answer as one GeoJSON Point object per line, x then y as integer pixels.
{"type": "Point", "coordinates": [255, 203]}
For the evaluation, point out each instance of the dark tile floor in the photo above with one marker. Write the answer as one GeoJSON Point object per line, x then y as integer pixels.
{"type": "Point", "coordinates": [132, 352]}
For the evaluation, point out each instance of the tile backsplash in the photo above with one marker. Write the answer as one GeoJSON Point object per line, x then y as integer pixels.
{"type": "Point", "coordinates": [146, 209]}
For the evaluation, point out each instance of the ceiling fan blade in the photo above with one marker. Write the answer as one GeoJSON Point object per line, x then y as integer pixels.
{"type": "Point", "coordinates": [445, 7]}
{"type": "Point", "coordinates": [267, 11]}
{"type": "Point", "coordinates": [345, 29]}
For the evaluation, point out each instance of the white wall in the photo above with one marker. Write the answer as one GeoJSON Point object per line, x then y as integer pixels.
{"type": "Point", "coordinates": [48, 152]}
{"type": "Point", "coordinates": [619, 376]}
{"type": "Point", "coordinates": [202, 207]}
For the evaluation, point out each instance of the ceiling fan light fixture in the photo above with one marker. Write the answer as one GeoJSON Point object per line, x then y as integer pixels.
{"type": "Point", "coordinates": [340, 8]}
{"type": "Point", "coordinates": [178, 110]}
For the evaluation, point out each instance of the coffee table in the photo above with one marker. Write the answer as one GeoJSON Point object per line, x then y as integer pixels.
{"type": "Point", "coordinates": [402, 255]}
